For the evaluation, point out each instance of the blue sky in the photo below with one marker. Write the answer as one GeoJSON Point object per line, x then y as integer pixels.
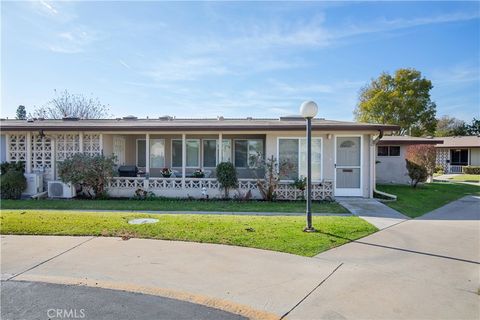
{"type": "Point", "coordinates": [235, 59]}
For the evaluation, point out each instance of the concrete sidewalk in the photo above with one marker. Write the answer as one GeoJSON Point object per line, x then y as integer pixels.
{"type": "Point", "coordinates": [373, 211]}
{"type": "Point", "coordinates": [426, 268]}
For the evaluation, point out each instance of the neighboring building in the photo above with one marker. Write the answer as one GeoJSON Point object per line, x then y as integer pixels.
{"type": "Point", "coordinates": [343, 153]}
{"type": "Point", "coordinates": [391, 150]}
{"type": "Point", "coordinates": [457, 152]}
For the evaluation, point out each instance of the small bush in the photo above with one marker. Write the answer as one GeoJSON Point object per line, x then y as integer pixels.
{"type": "Point", "coordinates": [12, 166]}
{"type": "Point", "coordinates": [471, 169]}
{"type": "Point", "coordinates": [439, 169]}
{"type": "Point", "coordinates": [416, 172]}
{"type": "Point", "coordinates": [227, 176]}
{"type": "Point", "coordinates": [88, 172]}
{"type": "Point", "coordinates": [12, 184]}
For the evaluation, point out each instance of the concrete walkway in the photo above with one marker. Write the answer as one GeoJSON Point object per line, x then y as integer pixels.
{"type": "Point", "coordinates": [373, 211]}
{"type": "Point", "coordinates": [425, 268]}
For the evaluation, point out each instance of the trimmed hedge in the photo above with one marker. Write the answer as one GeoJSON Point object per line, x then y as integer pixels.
{"type": "Point", "coordinates": [12, 184]}
{"type": "Point", "coordinates": [471, 169]}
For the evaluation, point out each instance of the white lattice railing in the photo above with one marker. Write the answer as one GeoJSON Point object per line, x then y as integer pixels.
{"type": "Point", "coordinates": [126, 183]}
{"type": "Point", "coordinates": [285, 191]}
{"type": "Point", "coordinates": [320, 191]}
{"type": "Point", "coordinates": [455, 169]}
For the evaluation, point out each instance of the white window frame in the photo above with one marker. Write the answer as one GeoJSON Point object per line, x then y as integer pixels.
{"type": "Point", "coordinates": [248, 150]}
{"type": "Point", "coordinates": [150, 141]}
{"type": "Point", "coordinates": [298, 153]}
{"type": "Point", "coordinates": [352, 191]}
{"type": "Point", "coordinates": [199, 153]}
{"type": "Point", "coordinates": [164, 153]}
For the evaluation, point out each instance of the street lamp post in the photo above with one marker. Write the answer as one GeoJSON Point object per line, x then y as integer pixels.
{"type": "Point", "coordinates": [309, 110]}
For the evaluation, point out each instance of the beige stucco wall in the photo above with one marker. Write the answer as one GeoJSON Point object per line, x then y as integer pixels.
{"type": "Point", "coordinates": [475, 156]}
{"type": "Point", "coordinates": [392, 169]}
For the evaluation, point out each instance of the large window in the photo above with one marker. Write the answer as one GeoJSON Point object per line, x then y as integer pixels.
{"type": "Point", "coordinates": [193, 153]}
{"type": "Point", "coordinates": [293, 153]}
{"type": "Point", "coordinates": [459, 157]}
{"type": "Point", "coordinates": [157, 153]}
{"type": "Point", "coordinates": [248, 153]}
{"type": "Point", "coordinates": [388, 151]}
{"type": "Point", "coordinates": [210, 153]}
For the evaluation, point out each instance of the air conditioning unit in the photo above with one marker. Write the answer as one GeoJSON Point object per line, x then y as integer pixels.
{"type": "Point", "coordinates": [58, 189]}
{"type": "Point", "coordinates": [34, 183]}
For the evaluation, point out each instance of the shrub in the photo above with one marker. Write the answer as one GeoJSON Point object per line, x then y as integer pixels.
{"type": "Point", "coordinates": [471, 169]}
{"type": "Point", "coordinates": [416, 172]}
{"type": "Point", "coordinates": [439, 169]}
{"type": "Point", "coordinates": [273, 172]}
{"type": "Point", "coordinates": [423, 155]}
{"type": "Point", "coordinates": [12, 166]}
{"type": "Point", "coordinates": [227, 176]}
{"type": "Point", "coordinates": [91, 173]}
{"type": "Point", "coordinates": [12, 184]}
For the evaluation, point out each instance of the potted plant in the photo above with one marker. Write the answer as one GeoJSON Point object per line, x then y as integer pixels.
{"type": "Point", "coordinates": [198, 173]}
{"type": "Point", "coordinates": [166, 172]}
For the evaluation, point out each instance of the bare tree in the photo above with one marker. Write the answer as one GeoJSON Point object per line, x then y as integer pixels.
{"type": "Point", "coordinates": [65, 104]}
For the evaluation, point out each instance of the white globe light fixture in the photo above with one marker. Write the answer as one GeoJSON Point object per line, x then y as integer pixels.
{"type": "Point", "coordinates": [309, 110]}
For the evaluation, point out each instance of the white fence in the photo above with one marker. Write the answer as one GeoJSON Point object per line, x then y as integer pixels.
{"type": "Point", "coordinates": [196, 187]}
{"type": "Point", "coordinates": [455, 169]}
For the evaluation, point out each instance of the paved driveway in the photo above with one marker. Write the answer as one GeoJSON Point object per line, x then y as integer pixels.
{"type": "Point", "coordinates": [425, 268]}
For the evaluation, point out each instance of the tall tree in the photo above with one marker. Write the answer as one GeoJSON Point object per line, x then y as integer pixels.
{"type": "Point", "coordinates": [450, 126]}
{"type": "Point", "coordinates": [402, 99]}
{"type": "Point", "coordinates": [21, 113]}
{"type": "Point", "coordinates": [65, 104]}
{"type": "Point", "coordinates": [473, 129]}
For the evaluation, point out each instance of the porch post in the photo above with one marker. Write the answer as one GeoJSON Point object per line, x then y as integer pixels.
{"type": "Point", "coordinates": [28, 152]}
{"type": "Point", "coordinates": [184, 158]}
{"type": "Point", "coordinates": [101, 143]}
{"type": "Point", "coordinates": [147, 155]}
{"type": "Point", "coordinates": [7, 144]}
{"type": "Point", "coordinates": [220, 147]}
{"type": "Point", "coordinates": [80, 141]}
{"type": "Point", "coordinates": [53, 153]}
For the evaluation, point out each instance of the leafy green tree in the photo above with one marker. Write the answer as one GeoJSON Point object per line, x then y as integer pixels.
{"type": "Point", "coordinates": [402, 99]}
{"type": "Point", "coordinates": [450, 126]}
{"type": "Point", "coordinates": [21, 113]}
{"type": "Point", "coordinates": [473, 129]}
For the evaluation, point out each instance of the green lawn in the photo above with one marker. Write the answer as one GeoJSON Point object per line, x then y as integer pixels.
{"type": "Point", "coordinates": [466, 178]}
{"type": "Point", "coordinates": [175, 205]}
{"type": "Point", "coordinates": [278, 233]}
{"type": "Point", "coordinates": [415, 202]}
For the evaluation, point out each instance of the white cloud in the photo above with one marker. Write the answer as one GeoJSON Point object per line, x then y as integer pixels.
{"type": "Point", "coordinates": [123, 63]}
{"type": "Point", "coordinates": [73, 41]}
{"type": "Point", "coordinates": [48, 7]}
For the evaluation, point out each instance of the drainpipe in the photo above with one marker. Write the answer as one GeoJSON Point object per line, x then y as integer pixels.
{"type": "Point", "coordinates": [373, 168]}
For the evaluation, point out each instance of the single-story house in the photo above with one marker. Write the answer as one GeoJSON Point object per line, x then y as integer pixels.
{"type": "Point", "coordinates": [457, 152]}
{"type": "Point", "coordinates": [343, 153]}
{"type": "Point", "coordinates": [391, 151]}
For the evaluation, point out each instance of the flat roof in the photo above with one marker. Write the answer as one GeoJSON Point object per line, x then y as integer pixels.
{"type": "Point", "coordinates": [176, 124]}
{"type": "Point", "coordinates": [460, 142]}
{"type": "Point", "coordinates": [405, 140]}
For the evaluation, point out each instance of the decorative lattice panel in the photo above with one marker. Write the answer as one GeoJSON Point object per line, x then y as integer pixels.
{"type": "Point", "coordinates": [443, 155]}
{"type": "Point", "coordinates": [67, 145]}
{"type": "Point", "coordinates": [41, 152]}
{"type": "Point", "coordinates": [91, 143]}
{"type": "Point", "coordinates": [17, 145]}
{"type": "Point", "coordinates": [320, 191]}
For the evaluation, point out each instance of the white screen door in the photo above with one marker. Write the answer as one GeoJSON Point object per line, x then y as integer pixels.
{"type": "Point", "coordinates": [348, 162]}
